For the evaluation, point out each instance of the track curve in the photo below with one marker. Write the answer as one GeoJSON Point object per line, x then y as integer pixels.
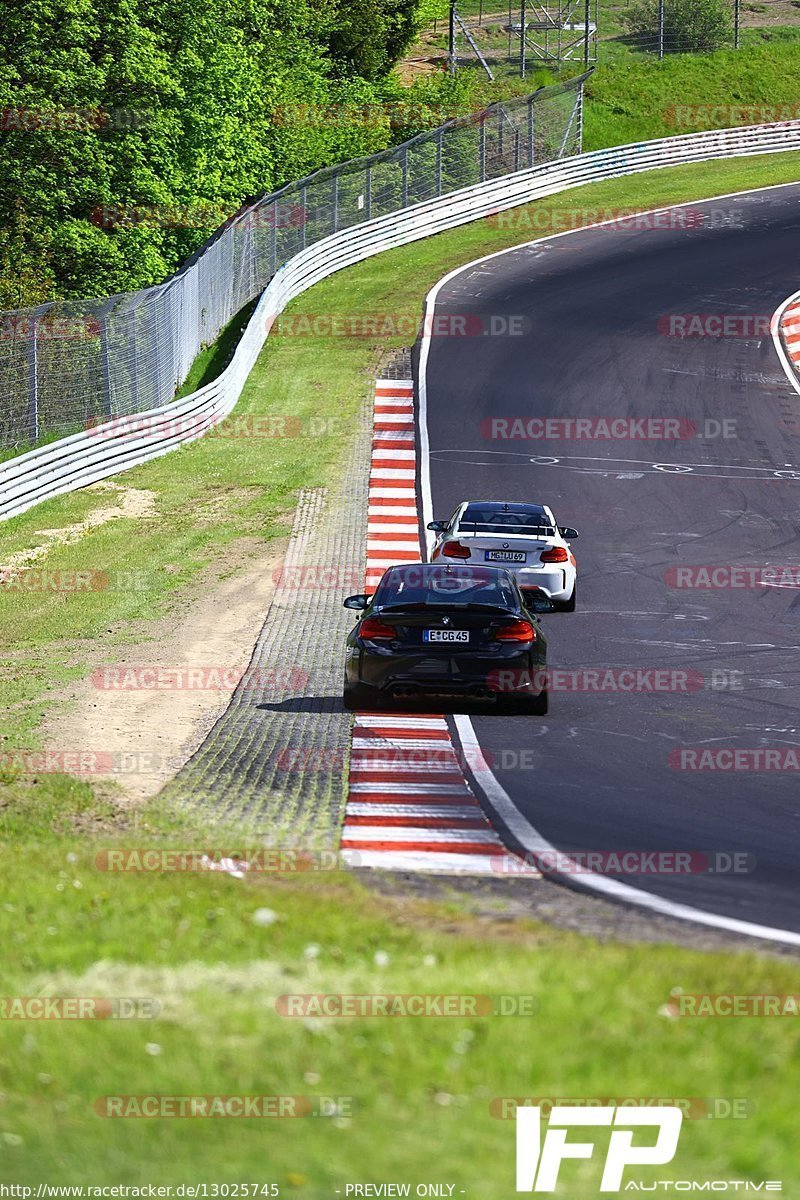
{"type": "Point", "coordinates": [593, 304]}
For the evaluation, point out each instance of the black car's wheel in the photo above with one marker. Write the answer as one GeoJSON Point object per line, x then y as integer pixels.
{"type": "Point", "coordinates": [537, 706]}
{"type": "Point", "coordinates": [355, 697]}
{"type": "Point", "coordinates": [569, 605]}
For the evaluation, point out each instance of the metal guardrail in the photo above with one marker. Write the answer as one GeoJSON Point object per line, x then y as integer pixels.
{"type": "Point", "coordinates": [112, 447]}
{"type": "Point", "coordinates": [71, 362]}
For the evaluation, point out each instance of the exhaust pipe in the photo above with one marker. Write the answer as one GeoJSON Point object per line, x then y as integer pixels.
{"type": "Point", "coordinates": [404, 692]}
{"type": "Point", "coordinates": [482, 693]}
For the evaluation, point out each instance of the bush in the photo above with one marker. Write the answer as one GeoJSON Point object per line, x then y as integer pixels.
{"type": "Point", "coordinates": [688, 24]}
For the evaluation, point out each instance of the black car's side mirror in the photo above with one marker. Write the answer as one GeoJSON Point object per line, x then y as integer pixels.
{"type": "Point", "coordinates": [568, 532]}
{"type": "Point", "coordinates": [437, 526]}
{"type": "Point", "coordinates": [359, 601]}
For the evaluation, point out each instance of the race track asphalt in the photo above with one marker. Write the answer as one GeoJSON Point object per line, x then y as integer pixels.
{"type": "Point", "coordinates": [603, 769]}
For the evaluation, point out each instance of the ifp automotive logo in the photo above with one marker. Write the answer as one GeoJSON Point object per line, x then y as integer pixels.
{"type": "Point", "coordinates": [538, 1161]}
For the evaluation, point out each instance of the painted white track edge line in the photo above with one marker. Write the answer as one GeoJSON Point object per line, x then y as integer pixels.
{"type": "Point", "coordinates": [495, 793]}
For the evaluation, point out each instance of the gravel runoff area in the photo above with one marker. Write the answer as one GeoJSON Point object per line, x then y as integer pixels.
{"type": "Point", "coordinates": [275, 763]}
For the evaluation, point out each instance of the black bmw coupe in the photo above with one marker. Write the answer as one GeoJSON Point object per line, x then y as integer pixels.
{"type": "Point", "coordinates": [434, 629]}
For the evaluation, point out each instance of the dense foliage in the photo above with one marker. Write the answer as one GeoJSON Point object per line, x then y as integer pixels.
{"type": "Point", "coordinates": [688, 24]}
{"type": "Point", "coordinates": [130, 128]}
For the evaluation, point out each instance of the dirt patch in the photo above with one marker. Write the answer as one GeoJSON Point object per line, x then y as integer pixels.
{"type": "Point", "coordinates": [132, 502]}
{"type": "Point", "coordinates": [148, 705]}
{"type": "Point", "coordinates": [769, 13]}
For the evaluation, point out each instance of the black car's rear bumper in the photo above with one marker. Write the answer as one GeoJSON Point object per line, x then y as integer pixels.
{"type": "Point", "coordinates": [490, 675]}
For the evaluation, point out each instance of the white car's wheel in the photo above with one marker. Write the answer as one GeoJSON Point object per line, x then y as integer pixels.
{"type": "Point", "coordinates": [569, 605]}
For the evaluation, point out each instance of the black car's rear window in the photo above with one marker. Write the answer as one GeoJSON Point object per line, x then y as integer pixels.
{"type": "Point", "coordinates": [516, 520]}
{"type": "Point", "coordinates": [461, 585]}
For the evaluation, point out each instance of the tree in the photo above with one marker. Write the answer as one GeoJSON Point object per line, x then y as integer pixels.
{"type": "Point", "coordinates": [688, 24]}
{"type": "Point", "coordinates": [25, 276]}
{"type": "Point", "coordinates": [367, 37]}
{"type": "Point", "coordinates": [201, 80]}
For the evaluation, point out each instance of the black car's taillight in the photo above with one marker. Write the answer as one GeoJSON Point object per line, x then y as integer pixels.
{"type": "Point", "coordinates": [376, 631]}
{"type": "Point", "coordinates": [520, 631]}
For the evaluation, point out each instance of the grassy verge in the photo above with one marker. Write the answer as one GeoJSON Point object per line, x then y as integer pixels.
{"type": "Point", "coordinates": [414, 1094]}
{"type": "Point", "coordinates": [634, 98]}
{"type": "Point", "coordinates": [420, 1089]}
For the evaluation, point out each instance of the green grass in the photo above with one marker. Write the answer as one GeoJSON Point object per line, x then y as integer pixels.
{"type": "Point", "coordinates": [420, 1089]}
{"type": "Point", "coordinates": [633, 98]}
{"type": "Point", "coordinates": [631, 94]}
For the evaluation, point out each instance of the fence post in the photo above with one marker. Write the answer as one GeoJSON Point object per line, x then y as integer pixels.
{"type": "Point", "coordinates": [660, 28]}
{"type": "Point", "coordinates": [404, 162]}
{"type": "Point", "coordinates": [33, 389]}
{"type": "Point", "coordinates": [523, 19]}
{"type": "Point", "coordinates": [586, 35]}
{"type": "Point", "coordinates": [484, 119]}
{"type": "Point", "coordinates": [451, 57]}
{"type": "Point", "coordinates": [580, 119]}
{"type": "Point", "coordinates": [134, 359]}
{"type": "Point", "coordinates": [304, 221]}
{"type": "Point", "coordinates": [336, 202]}
{"type": "Point", "coordinates": [531, 129]}
{"type": "Point", "coordinates": [105, 359]}
{"type": "Point", "coordinates": [33, 373]}
{"type": "Point", "coordinates": [736, 5]}
{"type": "Point", "coordinates": [274, 216]}
{"type": "Point", "coordinates": [368, 194]}
{"type": "Point", "coordinates": [439, 162]}
{"type": "Point", "coordinates": [517, 149]}
{"type": "Point", "coordinates": [575, 113]}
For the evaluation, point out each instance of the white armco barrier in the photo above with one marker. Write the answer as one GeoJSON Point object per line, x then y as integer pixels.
{"type": "Point", "coordinates": [125, 442]}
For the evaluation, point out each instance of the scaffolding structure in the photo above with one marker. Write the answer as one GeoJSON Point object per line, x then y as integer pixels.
{"type": "Point", "coordinates": [555, 32]}
{"type": "Point", "coordinates": [539, 32]}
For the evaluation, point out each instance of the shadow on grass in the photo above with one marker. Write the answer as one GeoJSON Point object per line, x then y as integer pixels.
{"type": "Point", "coordinates": [212, 360]}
